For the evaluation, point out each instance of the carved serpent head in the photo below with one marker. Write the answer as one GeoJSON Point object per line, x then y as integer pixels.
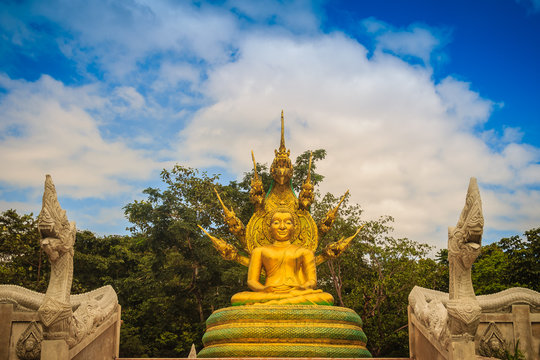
{"type": "Point", "coordinates": [57, 243]}
{"type": "Point", "coordinates": [465, 239]}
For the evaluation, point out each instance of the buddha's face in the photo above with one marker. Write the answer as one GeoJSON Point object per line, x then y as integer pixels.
{"type": "Point", "coordinates": [282, 226]}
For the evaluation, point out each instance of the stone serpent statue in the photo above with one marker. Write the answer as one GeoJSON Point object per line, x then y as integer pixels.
{"type": "Point", "coordinates": [63, 316]}
{"type": "Point", "coordinates": [457, 313]}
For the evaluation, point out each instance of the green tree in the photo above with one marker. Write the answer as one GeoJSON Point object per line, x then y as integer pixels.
{"type": "Point", "coordinates": [490, 270]}
{"type": "Point", "coordinates": [301, 166]}
{"type": "Point", "coordinates": [21, 260]}
{"type": "Point", "coordinates": [510, 262]}
{"type": "Point", "coordinates": [523, 259]}
{"type": "Point", "coordinates": [119, 261]}
{"type": "Point", "coordinates": [169, 278]}
{"type": "Point", "coordinates": [181, 276]}
{"type": "Point", "coordinates": [374, 276]}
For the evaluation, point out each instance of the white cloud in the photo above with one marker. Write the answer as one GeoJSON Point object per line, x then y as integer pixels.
{"type": "Point", "coordinates": [402, 144]}
{"type": "Point", "coordinates": [509, 209]}
{"type": "Point", "coordinates": [22, 207]}
{"type": "Point", "coordinates": [512, 134]}
{"type": "Point", "coordinates": [124, 36]}
{"type": "Point", "coordinates": [464, 107]}
{"type": "Point", "coordinates": [417, 40]}
{"type": "Point", "coordinates": [170, 75]}
{"type": "Point", "coordinates": [119, 37]}
{"type": "Point", "coordinates": [297, 16]}
{"type": "Point", "coordinates": [53, 131]}
{"type": "Point", "coordinates": [130, 97]}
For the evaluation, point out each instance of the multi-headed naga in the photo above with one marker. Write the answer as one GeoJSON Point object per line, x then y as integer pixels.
{"type": "Point", "coordinates": [280, 201]}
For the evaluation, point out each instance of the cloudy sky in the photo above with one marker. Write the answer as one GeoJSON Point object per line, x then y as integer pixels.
{"type": "Point", "coordinates": [410, 99]}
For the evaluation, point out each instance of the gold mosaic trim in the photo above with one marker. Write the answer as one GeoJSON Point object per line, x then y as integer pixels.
{"type": "Point", "coordinates": [363, 347]}
{"type": "Point", "coordinates": [291, 341]}
{"type": "Point", "coordinates": [283, 324]}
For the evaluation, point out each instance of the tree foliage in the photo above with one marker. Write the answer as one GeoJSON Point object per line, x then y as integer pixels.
{"type": "Point", "coordinates": [183, 279]}
{"type": "Point", "coordinates": [21, 259]}
{"type": "Point", "coordinates": [510, 262]}
{"type": "Point", "coordinates": [169, 279]}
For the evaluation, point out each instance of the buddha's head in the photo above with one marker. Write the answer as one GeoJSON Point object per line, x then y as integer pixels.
{"type": "Point", "coordinates": [282, 226]}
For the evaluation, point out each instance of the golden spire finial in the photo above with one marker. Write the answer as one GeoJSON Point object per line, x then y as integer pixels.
{"type": "Point", "coordinates": [282, 151]}
{"type": "Point", "coordinates": [282, 143]}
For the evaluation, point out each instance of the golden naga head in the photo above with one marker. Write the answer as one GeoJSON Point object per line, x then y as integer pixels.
{"type": "Point", "coordinates": [282, 169]}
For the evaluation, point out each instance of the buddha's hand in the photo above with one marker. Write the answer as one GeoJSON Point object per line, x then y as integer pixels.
{"type": "Point", "coordinates": [279, 288]}
{"type": "Point", "coordinates": [308, 285]}
{"type": "Point", "coordinates": [335, 249]}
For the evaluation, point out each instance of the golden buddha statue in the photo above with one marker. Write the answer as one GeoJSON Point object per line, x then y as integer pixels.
{"type": "Point", "coordinates": [290, 269]}
{"type": "Point", "coordinates": [286, 316]}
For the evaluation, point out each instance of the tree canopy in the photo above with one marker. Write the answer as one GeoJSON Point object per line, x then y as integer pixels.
{"type": "Point", "coordinates": [169, 278]}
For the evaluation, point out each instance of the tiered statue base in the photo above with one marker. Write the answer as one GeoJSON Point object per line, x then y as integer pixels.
{"type": "Point", "coordinates": [284, 331]}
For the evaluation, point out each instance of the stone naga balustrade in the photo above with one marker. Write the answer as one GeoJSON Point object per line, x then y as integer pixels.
{"type": "Point", "coordinates": [58, 325]}
{"type": "Point", "coordinates": [460, 325]}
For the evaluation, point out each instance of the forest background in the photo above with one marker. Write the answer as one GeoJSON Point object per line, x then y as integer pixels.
{"type": "Point", "coordinates": [169, 279]}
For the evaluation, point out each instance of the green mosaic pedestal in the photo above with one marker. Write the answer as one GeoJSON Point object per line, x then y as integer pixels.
{"type": "Point", "coordinates": [284, 331]}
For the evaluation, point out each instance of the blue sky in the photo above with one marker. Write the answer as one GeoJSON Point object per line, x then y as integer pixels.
{"type": "Point", "coordinates": [410, 99]}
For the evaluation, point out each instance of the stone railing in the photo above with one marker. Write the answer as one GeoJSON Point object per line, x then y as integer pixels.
{"type": "Point", "coordinates": [506, 317]}
{"type": "Point", "coordinates": [21, 336]}
{"type": "Point", "coordinates": [57, 325]}
{"type": "Point", "coordinates": [461, 326]}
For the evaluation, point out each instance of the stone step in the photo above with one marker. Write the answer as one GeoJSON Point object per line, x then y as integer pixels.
{"type": "Point", "coordinates": [260, 358]}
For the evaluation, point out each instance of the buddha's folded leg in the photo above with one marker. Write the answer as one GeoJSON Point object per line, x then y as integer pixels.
{"type": "Point", "coordinates": [295, 297]}
{"type": "Point", "coordinates": [252, 297]}
{"type": "Point", "coordinates": [307, 299]}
